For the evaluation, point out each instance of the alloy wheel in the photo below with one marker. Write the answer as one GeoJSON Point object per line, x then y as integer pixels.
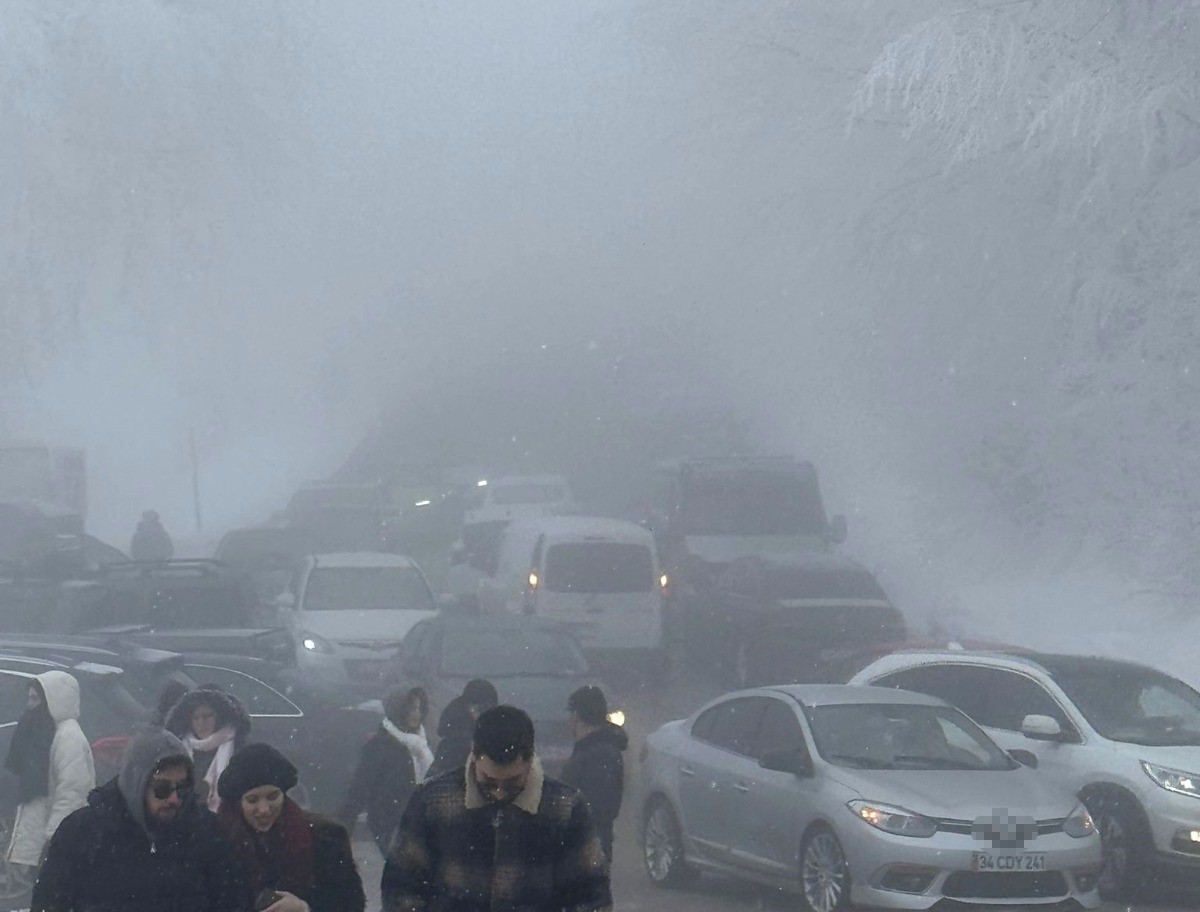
{"type": "Point", "coordinates": [824, 874]}
{"type": "Point", "coordinates": [662, 850]}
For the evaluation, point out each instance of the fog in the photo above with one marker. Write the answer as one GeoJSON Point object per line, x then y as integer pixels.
{"type": "Point", "coordinates": [959, 282]}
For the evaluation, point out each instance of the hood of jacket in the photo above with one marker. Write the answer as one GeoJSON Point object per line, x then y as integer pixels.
{"type": "Point", "coordinates": [455, 719]}
{"type": "Point", "coordinates": [62, 695]}
{"type": "Point", "coordinates": [606, 735]}
{"type": "Point", "coordinates": [230, 712]}
{"type": "Point", "coordinates": [145, 754]}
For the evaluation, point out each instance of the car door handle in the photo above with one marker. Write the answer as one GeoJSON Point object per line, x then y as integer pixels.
{"type": "Point", "coordinates": [741, 787]}
{"type": "Point", "coordinates": [686, 771]}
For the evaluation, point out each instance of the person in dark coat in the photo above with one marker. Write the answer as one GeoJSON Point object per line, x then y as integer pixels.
{"type": "Point", "coordinates": [293, 861]}
{"type": "Point", "coordinates": [151, 541]}
{"type": "Point", "coordinates": [497, 834]}
{"type": "Point", "coordinates": [390, 765]}
{"type": "Point", "coordinates": [214, 725]}
{"type": "Point", "coordinates": [596, 766]}
{"type": "Point", "coordinates": [458, 722]}
{"type": "Point", "coordinates": [142, 844]}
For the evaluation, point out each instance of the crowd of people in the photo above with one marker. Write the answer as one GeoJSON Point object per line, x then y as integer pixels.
{"type": "Point", "coordinates": [199, 818]}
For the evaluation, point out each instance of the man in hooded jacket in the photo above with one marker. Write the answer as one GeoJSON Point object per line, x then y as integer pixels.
{"type": "Point", "coordinates": [596, 766]}
{"type": "Point", "coordinates": [142, 844]}
{"type": "Point", "coordinates": [457, 725]}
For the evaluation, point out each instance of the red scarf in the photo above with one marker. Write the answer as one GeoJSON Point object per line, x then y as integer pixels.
{"type": "Point", "coordinates": [287, 847]}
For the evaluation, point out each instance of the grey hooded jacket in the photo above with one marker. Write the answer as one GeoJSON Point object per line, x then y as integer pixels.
{"type": "Point", "coordinates": [108, 856]}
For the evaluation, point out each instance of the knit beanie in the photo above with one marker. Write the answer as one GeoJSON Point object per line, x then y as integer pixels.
{"type": "Point", "coordinates": [252, 766]}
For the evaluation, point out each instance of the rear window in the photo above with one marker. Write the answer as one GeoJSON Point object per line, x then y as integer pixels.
{"type": "Point", "coordinates": [599, 567]}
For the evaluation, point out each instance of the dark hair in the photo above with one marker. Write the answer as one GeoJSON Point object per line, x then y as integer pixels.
{"type": "Point", "coordinates": [589, 704]}
{"type": "Point", "coordinates": [397, 702]}
{"type": "Point", "coordinates": [481, 693]}
{"type": "Point", "coordinates": [503, 734]}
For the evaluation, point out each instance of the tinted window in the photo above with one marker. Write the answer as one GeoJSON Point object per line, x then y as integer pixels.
{"type": "Point", "coordinates": [1133, 704]}
{"type": "Point", "coordinates": [779, 731]}
{"type": "Point", "coordinates": [366, 589]}
{"type": "Point", "coordinates": [258, 698]}
{"type": "Point", "coordinates": [991, 696]}
{"type": "Point", "coordinates": [703, 726]}
{"type": "Point", "coordinates": [736, 724]}
{"type": "Point", "coordinates": [599, 567]}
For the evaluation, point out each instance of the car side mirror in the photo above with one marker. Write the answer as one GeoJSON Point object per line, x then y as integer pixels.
{"type": "Point", "coordinates": [837, 530]}
{"type": "Point", "coordinates": [1024, 757]}
{"type": "Point", "coordinates": [1041, 728]}
{"type": "Point", "coordinates": [786, 761]}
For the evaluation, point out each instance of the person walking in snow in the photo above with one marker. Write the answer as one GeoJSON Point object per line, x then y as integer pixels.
{"type": "Point", "coordinates": [596, 766]}
{"type": "Point", "coordinates": [52, 761]}
{"type": "Point", "coordinates": [457, 723]}
{"type": "Point", "coordinates": [151, 541]}
{"type": "Point", "coordinates": [213, 725]}
{"type": "Point", "coordinates": [497, 834]}
{"type": "Point", "coordinates": [143, 844]}
{"type": "Point", "coordinates": [392, 763]}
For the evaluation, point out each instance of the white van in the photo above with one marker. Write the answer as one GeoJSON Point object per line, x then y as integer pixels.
{"type": "Point", "coordinates": [601, 576]}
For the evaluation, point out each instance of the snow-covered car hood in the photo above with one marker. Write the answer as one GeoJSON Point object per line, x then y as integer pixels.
{"type": "Point", "coordinates": [378, 625]}
{"type": "Point", "coordinates": [960, 794]}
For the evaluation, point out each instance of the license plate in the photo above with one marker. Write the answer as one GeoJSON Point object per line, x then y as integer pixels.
{"type": "Point", "coordinates": [987, 861]}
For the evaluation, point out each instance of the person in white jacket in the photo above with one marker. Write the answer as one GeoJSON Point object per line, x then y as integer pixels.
{"type": "Point", "coordinates": [52, 760]}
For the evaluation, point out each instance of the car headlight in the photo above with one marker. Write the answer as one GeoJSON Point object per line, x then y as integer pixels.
{"type": "Point", "coordinates": [1173, 780]}
{"type": "Point", "coordinates": [315, 643]}
{"type": "Point", "coordinates": [1079, 823]}
{"type": "Point", "coordinates": [893, 820]}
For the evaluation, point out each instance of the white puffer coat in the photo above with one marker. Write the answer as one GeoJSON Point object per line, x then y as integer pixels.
{"type": "Point", "coordinates": [72, 772]}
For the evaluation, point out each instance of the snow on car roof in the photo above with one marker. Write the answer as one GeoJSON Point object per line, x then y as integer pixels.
{"type": "Point", "coordinates": [837, 694]}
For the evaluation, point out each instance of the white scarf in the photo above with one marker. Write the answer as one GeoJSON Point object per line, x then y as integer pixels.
{"type": "Point", "coordinates": [222, 742]}
{"type": "Point", "coordinates": [418, 747]}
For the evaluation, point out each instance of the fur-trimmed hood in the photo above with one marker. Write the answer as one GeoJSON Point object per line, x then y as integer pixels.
{"type": "Point", "coordinates": [230, 712]}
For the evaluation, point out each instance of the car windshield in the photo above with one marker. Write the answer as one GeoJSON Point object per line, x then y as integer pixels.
{"type": "Point", "coordinates": [592, 567]}
{"type": "Point", "coordinates": [500, 652]}
{"type": "Point", "coordinates": [1133, 704]}
{"type": "Point", "coordinates": [509, 495]}
{"type": "Point", "coordinates": [751, 504]}
{"type": "Point", "coordinates": [367, 589]}
{"type": "Point", "coordinates": [896, 736]}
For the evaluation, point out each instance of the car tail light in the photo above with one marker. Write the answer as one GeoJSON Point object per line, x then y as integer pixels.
{"type": "Point", "coordinates": [110, 750]}
{"type": "Point", "coordinates": [531, 589]}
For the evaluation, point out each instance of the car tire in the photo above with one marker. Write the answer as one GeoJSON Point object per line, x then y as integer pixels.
{"type": "Point", "coordinates": [662, 847]}
{"type": "Point", "coordinates": [824, 872]}
{"type": "Point", "coordinates": [1123, 842]}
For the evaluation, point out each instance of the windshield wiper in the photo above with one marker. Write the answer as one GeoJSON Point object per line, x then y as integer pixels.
{"type": "Point", "coordinates": [859, 762]}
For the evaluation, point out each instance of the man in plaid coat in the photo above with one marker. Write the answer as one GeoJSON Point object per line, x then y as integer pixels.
{"type": "Point", "coordinates": [497, 836]}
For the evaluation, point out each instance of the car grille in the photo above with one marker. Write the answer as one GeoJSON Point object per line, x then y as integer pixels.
{"type": "Point", "coordinates": [967, 827]}
{"type": "Point", "coordinates": [1004, 885]}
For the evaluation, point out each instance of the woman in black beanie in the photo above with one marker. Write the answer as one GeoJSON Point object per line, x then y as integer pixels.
{"type": "Point", "coordinates": [294, 861]}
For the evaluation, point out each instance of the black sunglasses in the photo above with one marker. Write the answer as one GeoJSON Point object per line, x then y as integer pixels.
{"type": "Point", "coordinates": [162, 789]}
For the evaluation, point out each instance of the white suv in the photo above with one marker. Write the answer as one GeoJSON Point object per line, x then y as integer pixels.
{"type": "Point", "coordinates": [1124, 737]}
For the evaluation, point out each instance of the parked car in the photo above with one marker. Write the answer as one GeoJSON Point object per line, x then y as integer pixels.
{"type": "Point", "coordinates": [1123, 737]}
{"type": "Point", "coordinates": [349, 612]}
{"type": "Point", "coordinates": [534, 663]}
{"type": "Point", "coordinates": [540, 494]}
{"type": "Point", "coordinates": [112, 705]}
{"type": "Point", "coordinates": [599, 576]}
{"type": "Point", "coordinates": [343, 516]}
{"type": "Point", "coordinates": [268, 555]}
{"type": "Point", "coordinates": [788, 619]}
{"type": "Point", "coordinates": [849, 796]}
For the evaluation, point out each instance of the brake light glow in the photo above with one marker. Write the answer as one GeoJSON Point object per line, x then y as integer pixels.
{"type": "Point", "coordinates": [663, 581]}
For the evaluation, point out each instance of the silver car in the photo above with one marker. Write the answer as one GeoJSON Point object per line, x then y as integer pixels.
{"type": "Point", "coordinates": [860, 795]}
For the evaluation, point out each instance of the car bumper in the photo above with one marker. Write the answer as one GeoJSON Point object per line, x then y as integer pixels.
{"type": "Point", "coordinates": [881, 864]}
{"type": "Point", "coordinates": [1173, 820]}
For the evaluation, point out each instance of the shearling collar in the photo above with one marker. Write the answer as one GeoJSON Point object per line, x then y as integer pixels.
{"type": "Point", "coordinates": [528, 801]}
